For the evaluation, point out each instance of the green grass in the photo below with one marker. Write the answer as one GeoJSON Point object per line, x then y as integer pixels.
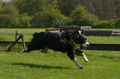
{"type": "Point", "coordinates": [37, 65]}
{"type": "Point", "coordinates": [9, 35]}
{"type": "Point", "coordinates": [104, 39]}
{"type": "Point", "coordinates": [34, 65]}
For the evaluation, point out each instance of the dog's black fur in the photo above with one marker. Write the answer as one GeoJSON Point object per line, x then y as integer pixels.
{"type": "Point", "coordinates": [52, 41]}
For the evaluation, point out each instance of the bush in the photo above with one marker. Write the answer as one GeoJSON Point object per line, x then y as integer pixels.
{"type": "Point", "coordinates": [49, 17]}
{"type": "Point", "coordinates": [24, 20]}
{"type": "Point", "coordinates": [38, 20]}
{"type": "Point", "coordinates": [81, 17]}
{"type": "Point", "coordinates": [54, 18]}
{"type": "Point", "coordinates": [4, 26]}
{"type": "Point", "coordinates": [90, 19]}
{"type": "Point", "coordinates": [117, 24]}
{"type": "Point", "coordinates": [104, 24]}
{"type": "Point", "coordinates": [66, 20]}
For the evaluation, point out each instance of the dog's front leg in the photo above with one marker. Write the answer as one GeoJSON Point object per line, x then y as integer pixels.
{"type": "Point", "coordinates": [76, 63]}
{"type": "Point", "coordinates": [79, 52]}
{"type": "Point", "coordinates": [73, 58]}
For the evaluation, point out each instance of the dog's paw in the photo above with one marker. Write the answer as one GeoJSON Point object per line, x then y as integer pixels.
{"type": "Point", "coordinates": [81, 67]}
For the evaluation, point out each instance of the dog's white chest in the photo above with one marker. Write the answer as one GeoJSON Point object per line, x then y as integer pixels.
{"type": "Point", "coordinates": [76, 46]}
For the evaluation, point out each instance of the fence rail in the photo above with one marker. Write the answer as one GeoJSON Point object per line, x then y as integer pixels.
{"type": "Point", "coordinates": [109, 47]}
{"type": "Point", "coordinates": [100, 40]}
{"type": "Point", "coordinates": [91, 32]}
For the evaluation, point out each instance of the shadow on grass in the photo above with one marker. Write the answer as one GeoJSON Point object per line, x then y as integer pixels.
{"type": "Point", "coordinates": [39, 66]}
{"type": "Point", "coordinates": [103, 56]}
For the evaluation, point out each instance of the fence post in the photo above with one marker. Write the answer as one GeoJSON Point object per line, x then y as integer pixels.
{"type": "Point", "coordinates": [14, 43]}
{"type": "Point", "coordinates": [16, 33]}
{"type": "Point", "coordinates": [24, 46]}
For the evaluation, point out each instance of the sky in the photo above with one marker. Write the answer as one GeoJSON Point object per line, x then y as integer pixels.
{"type": "Point", "coordinates": [6, 0]}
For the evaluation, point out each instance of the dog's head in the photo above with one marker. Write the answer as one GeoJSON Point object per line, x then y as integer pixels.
{"type": "Point", "coordinates": [77, 38]}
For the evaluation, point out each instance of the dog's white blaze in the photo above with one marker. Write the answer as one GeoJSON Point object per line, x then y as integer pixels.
{"type": "Point", "coordinates": [84, 57]}
{"type": "Point", "coordinates": [85, 44]}
{"type": "Point", "coordinates": [79, 32]}
{"type": "Point", "coordinates": [76, 63]}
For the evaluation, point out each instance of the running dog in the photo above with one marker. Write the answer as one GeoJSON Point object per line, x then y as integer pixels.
{"type": "Point", "coordinates": [69, 42]}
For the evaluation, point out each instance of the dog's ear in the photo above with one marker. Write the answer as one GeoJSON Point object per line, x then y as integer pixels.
{"type": "Point", "coordinates": [76, 32]}
{"type": "Point", "coordinates": [82, 31]}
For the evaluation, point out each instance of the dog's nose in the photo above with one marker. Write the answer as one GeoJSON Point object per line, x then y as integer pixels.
{"type": "Point", "coordinates": [88, 45]}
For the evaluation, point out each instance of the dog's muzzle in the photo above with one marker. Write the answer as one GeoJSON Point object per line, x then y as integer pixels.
{"type": "Point", "coordinates": [85, 45]}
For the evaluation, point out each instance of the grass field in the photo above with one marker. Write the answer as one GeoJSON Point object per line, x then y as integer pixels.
{"type": "Point", "coordinates": [34, 65]}
{"type": "Point", "coordinates": [104, 39]}
{"type": "Point", "coordinates": [9, 35]}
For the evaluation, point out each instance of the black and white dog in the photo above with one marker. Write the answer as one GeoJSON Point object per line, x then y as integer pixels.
{"type": "Point", "coordinates": [67, 41]}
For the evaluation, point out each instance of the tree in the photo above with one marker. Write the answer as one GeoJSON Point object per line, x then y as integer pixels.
{"type": "Point", "coordinates": [66, 6]}
{"type": "Point", "coordinates": [24, 20]}
{"type": "Point", "coordinates": [53, 13]}
{"type": "Point", "coordinates": [82, 18]}
{"type": "Point", "coordinates": [38, 20]}
{"type": "Point", "coordinates": [30, 7]}
{"type": "Point", "coordinates": [9, 14]}
{"type": "Point", "coordinates": [79, 12]}
{"type": "Point", "coordinates": [50, 16]}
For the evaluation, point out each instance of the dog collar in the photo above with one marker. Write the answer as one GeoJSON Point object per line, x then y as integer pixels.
{"type": "Point", "coordinates": [62, 38]}
{"type": "Point", "coordinates": [72, 43]}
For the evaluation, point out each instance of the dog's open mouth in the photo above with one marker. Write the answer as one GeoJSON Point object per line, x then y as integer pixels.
{"type": "Point", "coordinates": [85, 45]}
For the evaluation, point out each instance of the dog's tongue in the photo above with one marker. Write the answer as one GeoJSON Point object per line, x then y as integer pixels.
{"type": "Point", "coordinates": [84, 57]}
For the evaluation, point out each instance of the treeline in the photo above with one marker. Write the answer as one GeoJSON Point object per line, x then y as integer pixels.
{"type": "Point", "coordinates": [55, 13]}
